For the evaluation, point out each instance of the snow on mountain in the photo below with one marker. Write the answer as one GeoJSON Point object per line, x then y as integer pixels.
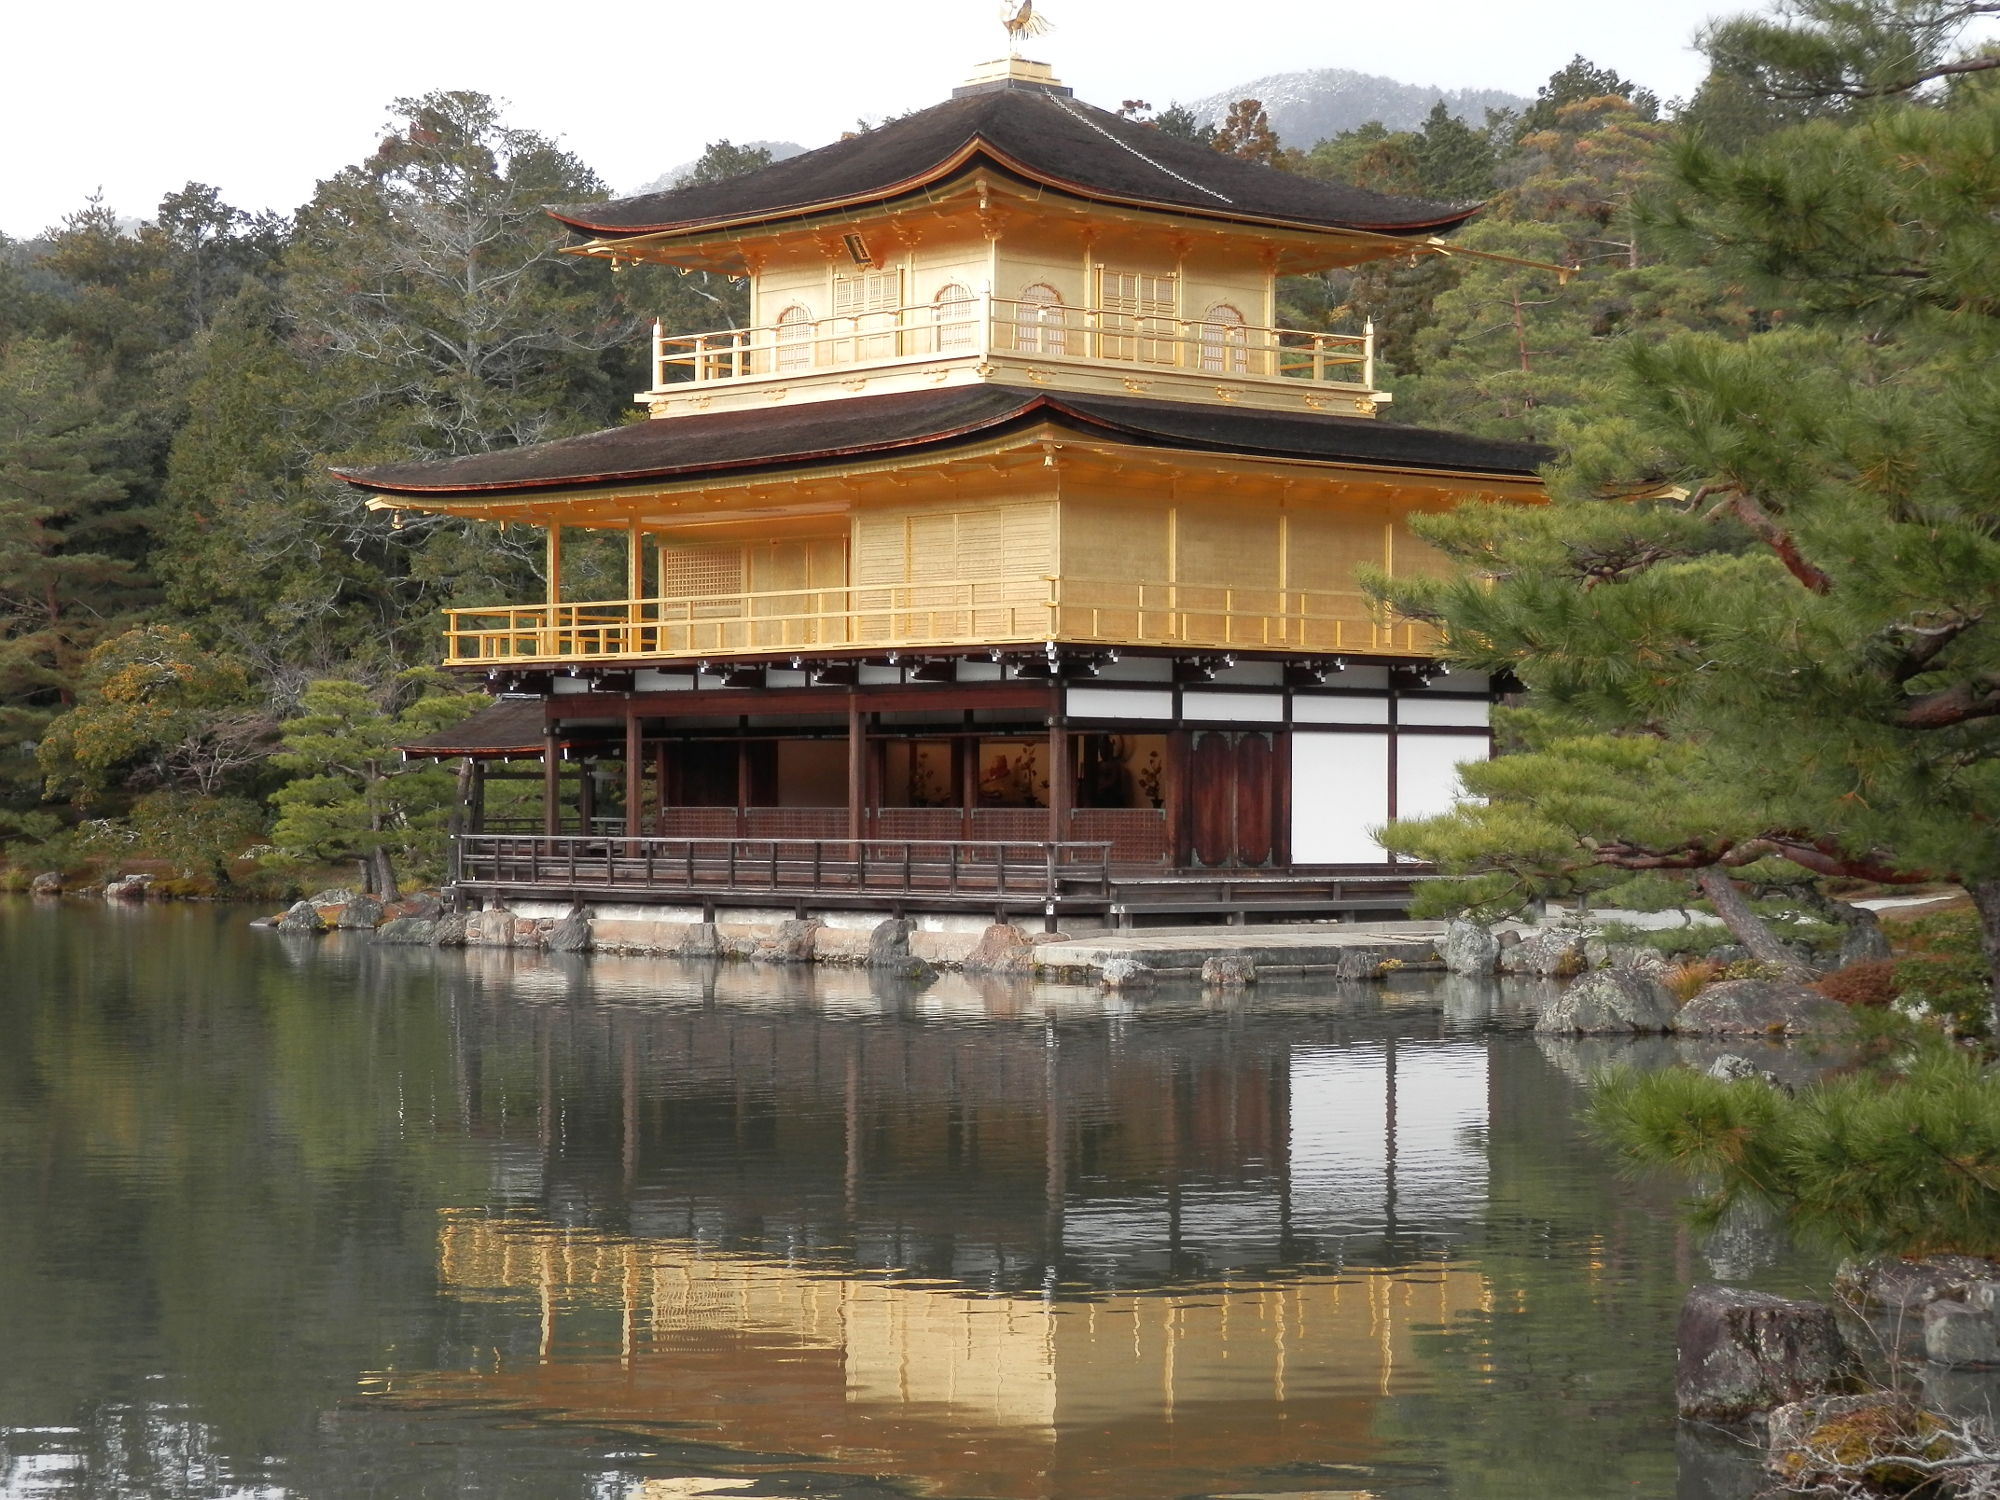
{"type": "Point", "coordinates": [1308, 107]}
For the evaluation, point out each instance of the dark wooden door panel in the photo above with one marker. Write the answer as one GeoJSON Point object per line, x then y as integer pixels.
{"type": "Point", "coordinates": [1253, 800]}
{"type": "Point", "coordinates": [1214, 799]}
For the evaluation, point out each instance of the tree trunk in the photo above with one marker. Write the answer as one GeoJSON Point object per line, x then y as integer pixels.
{"type": "Point", "coordinates": [385, 876]}
{"type": "Point", "coordinates": [1749, 929]}
{"type": "Point", "coordinates": [1986, 901]}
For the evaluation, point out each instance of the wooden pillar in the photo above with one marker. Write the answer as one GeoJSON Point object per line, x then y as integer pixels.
{"type": "Point", "coordinates": [475, 813]}
{"type": "Point", "coordinates": [660, 781]}
{"type": "Point", "coordinates": [586, 798]}
{"type": "Point", "coordinates": [635, 775]}
{"type": "Point", "coordinates": [745, 781]}
{"type": "Point", "coordinates": [1062, 789]}
{"type": "Point", "coordinates": [968, 778]}
{"type": "Point", "coordinates": [552, 779]}
{"type": "Point", "coordinates": [552, 564]}
{"type": "Point", "coordinates": [857, 768]}
{"type": "Point", "coordinates": [1180, 832]}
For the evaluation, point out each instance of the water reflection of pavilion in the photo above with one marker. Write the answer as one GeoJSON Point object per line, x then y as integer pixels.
{"type": "Point", "coordinates": [999, 1240]}
{"type": "Point", "coordinates": [1120, 1394]}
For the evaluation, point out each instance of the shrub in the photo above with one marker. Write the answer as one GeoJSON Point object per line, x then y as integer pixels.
{"type": "Point", "coordinates": [1945, 973]}
{"type": "Point", "coordinates": [1689, 978]}
{"type": "Point", "coordinates": [1870, 985]}
{"type": "Point", "coordinates": [1904, 1163]}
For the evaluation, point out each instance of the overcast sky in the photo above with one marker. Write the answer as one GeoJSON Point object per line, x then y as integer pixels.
{"type": "Point", "coordinates": [263, 100]}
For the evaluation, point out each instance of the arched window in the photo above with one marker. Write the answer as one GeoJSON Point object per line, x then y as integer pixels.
{"type": "Point", "coordinates": [1040, 322]}
{"type": "Point", "coordinates": [1225, 342]}
{"type": "Point", "coordinates": [952, 311]}
{"type": "Point", "coordinates": [795, 331]}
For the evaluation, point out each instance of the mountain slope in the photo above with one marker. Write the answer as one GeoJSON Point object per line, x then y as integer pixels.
{"type": "Point", "coordinates": [1308, 107]}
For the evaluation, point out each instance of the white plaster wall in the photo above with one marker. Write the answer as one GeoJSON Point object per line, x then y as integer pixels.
{"type": "Point", "coordinates": [1340, 790]}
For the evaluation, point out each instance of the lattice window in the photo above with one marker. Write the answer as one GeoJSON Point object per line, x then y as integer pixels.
{"type": "Point", "coordinates": [867, 305]}
{"type": "Point", "coordinates": [711, 577]}
{"type": "Point", "coordinates": [1041, 322]}
{"type": "Point", "coordinates": [1225, 342]}
{"type": "Point", "coordinates": [952, 313]}
{"type": "Point", "coordinates": [795, 331]}
{"type": "Point", "coordinates": [1138, 316]}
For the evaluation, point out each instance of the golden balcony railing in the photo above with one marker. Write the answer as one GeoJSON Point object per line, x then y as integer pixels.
{"type": "Point", "coordinates": [983, 326]}
{"type": "Point", "coordinates": [918, 615]}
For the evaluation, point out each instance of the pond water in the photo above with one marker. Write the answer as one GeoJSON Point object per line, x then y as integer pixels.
{"type": "Point", "coordinates": [285, 1217]}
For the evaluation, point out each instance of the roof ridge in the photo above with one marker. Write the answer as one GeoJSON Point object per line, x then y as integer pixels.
{"type": "Point", "coordinates": [1128, 146]}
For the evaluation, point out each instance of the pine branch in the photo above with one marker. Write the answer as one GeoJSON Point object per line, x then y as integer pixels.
{"type": "Point", "coordinates": [1745, 508]}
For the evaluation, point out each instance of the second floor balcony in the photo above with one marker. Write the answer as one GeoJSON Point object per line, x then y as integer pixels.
{"type": "Point", "coordinates": [942, 615]}
{"type": "Point", "coordinates": [983, 337]}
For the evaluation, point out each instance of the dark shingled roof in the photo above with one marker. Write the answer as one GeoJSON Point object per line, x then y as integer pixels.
{"type": "Point", "coordinates": [687, 447]}
{"type": "Point", "coordinates": [511, 727]}
{"type": "Point", "coordinates": [1032, 133]}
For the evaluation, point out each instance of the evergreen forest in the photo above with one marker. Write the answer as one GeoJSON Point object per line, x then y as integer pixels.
{"type": "Point", "coordinates": [1754, 619]}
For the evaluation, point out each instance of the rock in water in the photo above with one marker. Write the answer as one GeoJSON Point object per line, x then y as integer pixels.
{"type": "Point", "coordinates": [1551, 953]}
{"type": "Point", "coordinates": [1960, 1334]}
{"type": "Point", "coordinates": [701, 940]}
{"type": "Point", "coordinates": [303, 917]}
{"type": "Point", "coordinates": [794, 942]}
{"type": "Point", "coordinates": [359, 912]}
{"type": "Point", "coordinates": [1002, 948]}
{"type": "Point", "coordinates": [449, 930]}
{"type": "Point", "coordinates": [1358, 963]}
{"type": "Point", "coordinates": [1610, 1002]}
{"type": "Point", "coordinates": [408, 932]}
{"type": "Point", "coordinates": [1123, 973]}
{"type": "Point", "coordinates": [889, 943]}
{"type": "Point", "coordinates": [1760, 1007]}
{"type": "Point", "coordinates": [572, 933]}
{"type": "Point", "coordinates": [1228, 971]}
{"type": "Point", "coordinates": [1908, 1286]}
{"type": "Point", "coordinates": [1743, 1352]}
{"type": "Point", "coordinates": [1468, 948]}
{"type": "Point", "coordinates": [48, 883]}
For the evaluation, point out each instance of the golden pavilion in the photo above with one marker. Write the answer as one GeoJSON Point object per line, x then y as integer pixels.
{"type": "Point", "coordinates": [1005, 562]}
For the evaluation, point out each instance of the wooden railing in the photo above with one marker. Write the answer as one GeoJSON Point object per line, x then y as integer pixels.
{"type": "Point", "coordinates": [983, 325]}
{"type": "Point", "coordinates": [1024, 870]}
{"type": "Point", "coordinates": [965, 613]}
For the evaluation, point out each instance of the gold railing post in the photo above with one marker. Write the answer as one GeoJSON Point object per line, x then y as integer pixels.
{"type": "Point", "coordinates": [1368, 354]}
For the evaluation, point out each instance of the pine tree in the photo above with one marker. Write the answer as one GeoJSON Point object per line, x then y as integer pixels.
{"type": "Point", "coordinates": [1784, 549]}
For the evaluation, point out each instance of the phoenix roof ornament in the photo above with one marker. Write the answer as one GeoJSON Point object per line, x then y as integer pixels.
{"type": "Point", "coordinates": [1021, 23]}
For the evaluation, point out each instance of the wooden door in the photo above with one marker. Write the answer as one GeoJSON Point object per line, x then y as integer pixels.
{"type": "Point", "coordinates": [1232, 798]}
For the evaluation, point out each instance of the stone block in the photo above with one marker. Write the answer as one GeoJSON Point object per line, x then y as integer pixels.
{"type": "Point", "coordinates": [1468, 948]}
{"type": "Point", "coordinates": [408, 932]}
{"type": "Point", "coordinates": [944, 949]}
{"type": "Point", "coordinates": [302, 917]}
{"type": "Point", "coordinates": [571, 934]}
{"type": "Point", "coordinates": [1228, 971]}
{"type": "Point", "coordinates": [889, 943]}
{"type": "Point", "coordinates": [1744, 1352]}
{"type": "Point", "coordinates": [1125, 974]}
{"type": "Point", "coordinates": [1609, 1002]}
{"type": "Point", "coordinates": [840, 945]}
{"type": "Point", "coordinates": [1761, 1007]}
{"type": "Point", "coordinates": [1548, 953]}
{"type": "Point", "coordinates": [1961, 1335]}
{"type": "Point", "coordinates": [358, 914]}
{"type": "Point", "coordinates": [1002, 948]}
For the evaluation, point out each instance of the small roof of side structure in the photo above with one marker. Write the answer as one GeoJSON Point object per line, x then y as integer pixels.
{"type": "Point", "coordinates": [1032, 134]}
{"type": "Point", "coordinates": [718, 443]}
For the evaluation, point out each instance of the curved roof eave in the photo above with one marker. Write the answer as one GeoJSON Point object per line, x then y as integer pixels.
{"type": "Point", "coordinates": [962, 158]}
